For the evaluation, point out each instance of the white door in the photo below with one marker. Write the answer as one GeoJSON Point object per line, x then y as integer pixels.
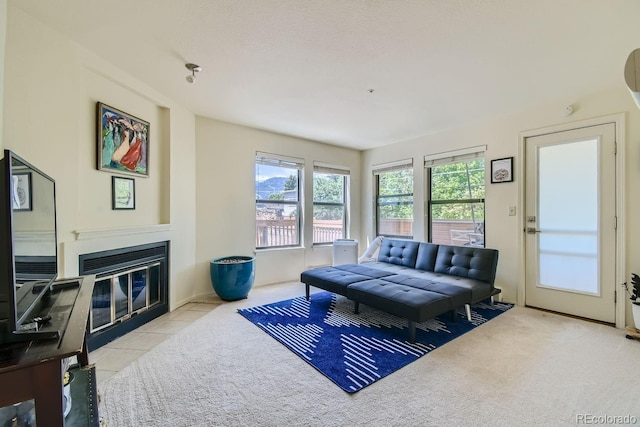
{"type": "Point", "coordinates": [570, 222]}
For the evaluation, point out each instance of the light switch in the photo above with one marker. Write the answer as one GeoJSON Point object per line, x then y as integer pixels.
{"type": "Point", "coordinates": [512, 211]}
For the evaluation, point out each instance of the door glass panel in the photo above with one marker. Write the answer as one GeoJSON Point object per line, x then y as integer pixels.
{"type": "Point", "coordinates": [568, 216]}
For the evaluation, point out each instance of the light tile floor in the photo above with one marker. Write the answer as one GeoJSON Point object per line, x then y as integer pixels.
{"type": "Point", "coordinates": [119, 353]}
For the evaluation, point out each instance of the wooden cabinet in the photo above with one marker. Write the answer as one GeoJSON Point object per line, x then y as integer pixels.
{"type": "Point", "coordinates": [35, 369]}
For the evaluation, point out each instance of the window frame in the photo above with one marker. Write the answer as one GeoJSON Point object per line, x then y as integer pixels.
{"type": "Point", "coordinates": [454, 157]}
{"type": "Point", "coordinates": [297, 165]}
{"type": "Point", "coordinates": [388, 168]}
{"type": "Point", "coordinates": [337, 171]}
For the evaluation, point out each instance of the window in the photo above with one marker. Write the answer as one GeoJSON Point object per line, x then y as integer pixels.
{"type": "Point", "coordinates": [456, 199]}
{"type": "Point", "coordinates": [278, 201]}
{"type": "Point", "coordinates": [330, 185]}
{"type": "Point", "coordinates": [394, 199]}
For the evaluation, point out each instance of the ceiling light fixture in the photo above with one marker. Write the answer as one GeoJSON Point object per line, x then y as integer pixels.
{"type": "Point", "coordinates": [194, 69]}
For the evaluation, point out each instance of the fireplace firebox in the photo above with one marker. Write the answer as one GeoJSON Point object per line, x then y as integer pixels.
{"type": "Point", "coordinates": [131, 289]}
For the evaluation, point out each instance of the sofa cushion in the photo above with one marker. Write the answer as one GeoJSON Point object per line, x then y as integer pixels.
{"type": "Point", "coordinates": [479, 289]}
{"type": "Point", "coordinates": [426, 259]}
{"type": "Point", "coordinates": [365, 270]}
{"type": "Point", "coordinates": [389, 268]}
{"type": "Point", "coordinates": [399, 252]}
{"type": "Point", "coordinates": [473, 263]}
{"type": "Point", "coordinates": [331, 279]}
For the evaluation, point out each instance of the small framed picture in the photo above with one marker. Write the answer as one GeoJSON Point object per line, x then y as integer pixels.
{"type": "Point", "coordinates": [123, 193]}
{"type": "Point", "coordinates": [21, 183]}
{"type": "Point", "coordinates": [502, 170]}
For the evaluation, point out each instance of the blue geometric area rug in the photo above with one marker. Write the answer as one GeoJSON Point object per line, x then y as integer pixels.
{"type": "Point", "coordinates": [356, 350]}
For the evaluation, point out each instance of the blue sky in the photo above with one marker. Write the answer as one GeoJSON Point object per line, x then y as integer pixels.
{"type": "Point", "coordinates": [264, 172]}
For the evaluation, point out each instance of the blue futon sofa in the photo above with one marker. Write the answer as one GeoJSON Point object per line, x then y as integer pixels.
{"type": "Point", "coordinates": [413, 280]}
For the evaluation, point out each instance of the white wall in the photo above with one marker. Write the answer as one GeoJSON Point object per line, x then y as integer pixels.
{"type": "Point", "coordinates": [225, 179]}
{"type": "Point", "coordinates": [3, 39]}
{"type": "Point", "coordinates": [502, 138]}
{"type": "Point", "coordinates": [182, 193]}
{"type": "Point", "coordinates": [51, 87]}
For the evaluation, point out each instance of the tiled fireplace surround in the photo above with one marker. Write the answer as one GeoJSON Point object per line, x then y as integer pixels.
{"type": "Point", "coordinates": [132, 281]}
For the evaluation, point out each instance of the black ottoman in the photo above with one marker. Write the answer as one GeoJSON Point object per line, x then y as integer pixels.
{"type": "Point", "coordinates": [416, 305]}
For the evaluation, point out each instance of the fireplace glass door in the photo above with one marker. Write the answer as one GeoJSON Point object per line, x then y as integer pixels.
{"type": "Point", "coordinates": [118, 296]}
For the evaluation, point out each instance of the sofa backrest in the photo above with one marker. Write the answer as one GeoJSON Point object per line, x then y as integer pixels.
{"type": "Point", "coordinates": [463, 261]}
{"type": "Point", "coordinates": [427, 253]}
{"type": "Point", "coordinates": [400, 252]}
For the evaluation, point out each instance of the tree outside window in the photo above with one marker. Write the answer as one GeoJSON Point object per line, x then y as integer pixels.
{"type": "Point", "coordinates": [456, 203]}
{"type": "Point", "coordinates": [394, 203]}
{"type": "Point", "coordinates": [329, 212]}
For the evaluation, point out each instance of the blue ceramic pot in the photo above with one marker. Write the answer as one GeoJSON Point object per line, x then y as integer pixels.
{"type": "Point", "coordinates": [232, 276]}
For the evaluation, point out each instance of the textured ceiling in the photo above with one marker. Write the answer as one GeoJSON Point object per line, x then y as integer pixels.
{"type": "Point", "coordinates": [304, 68]}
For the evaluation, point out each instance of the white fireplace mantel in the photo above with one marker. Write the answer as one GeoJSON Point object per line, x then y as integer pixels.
{"type": "Point", "coordinates": [103, 239]}
{"type": "Point", "coordinates": [102, 233]}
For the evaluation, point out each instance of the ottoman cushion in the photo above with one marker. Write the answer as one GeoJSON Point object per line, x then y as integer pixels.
{"type": "Point", "coordinates": [411, 303]}
{"type": "Point", "coordinates": [459, 295]}
{"type": "Point", "coordinates": [331, 279]}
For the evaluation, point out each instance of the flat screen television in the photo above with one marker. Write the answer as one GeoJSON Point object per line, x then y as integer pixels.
{"type": "Point", "coordinates": [28, 246]}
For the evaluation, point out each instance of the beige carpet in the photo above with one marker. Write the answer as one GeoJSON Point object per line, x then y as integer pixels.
{"type": "Point", "coordinates": [525, 367]}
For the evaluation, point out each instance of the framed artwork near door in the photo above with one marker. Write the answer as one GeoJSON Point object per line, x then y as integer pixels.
{"type": "Point", "coordinates": [502, 170]}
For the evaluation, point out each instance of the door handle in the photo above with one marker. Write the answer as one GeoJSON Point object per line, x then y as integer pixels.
{"type": "Point", "coordinates": [532, 230]}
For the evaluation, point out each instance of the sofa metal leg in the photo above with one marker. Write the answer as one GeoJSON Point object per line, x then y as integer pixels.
{"type": "Point", "coordinates": [356, 307]}
{"type": "Point", "coordinates": [306, 287]}
{"type": "Point", "coordinates": [467, 308]}
{"type": "Point", "coordinates": [494, 295]}
{"type": "Point", "coordinates": [412, 331]}
{"type": "Point", "coordinates": [454, 316]}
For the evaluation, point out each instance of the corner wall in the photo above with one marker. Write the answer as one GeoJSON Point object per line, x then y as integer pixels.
{"type": "Point", "coordinates": [225, 165]}
{"type": "Point", "coordinates": [502, 138]}
{"type": "Point", "coordinates": [51, 87]}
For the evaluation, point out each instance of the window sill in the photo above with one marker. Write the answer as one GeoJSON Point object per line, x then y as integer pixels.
{"type": "Point", "coordinates": [322, 245]}
{"type": "Point", "coordinates": [278, 249]}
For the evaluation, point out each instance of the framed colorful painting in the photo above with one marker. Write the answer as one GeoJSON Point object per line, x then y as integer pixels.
{"type": "Point", "coordinates": [123, 142]}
